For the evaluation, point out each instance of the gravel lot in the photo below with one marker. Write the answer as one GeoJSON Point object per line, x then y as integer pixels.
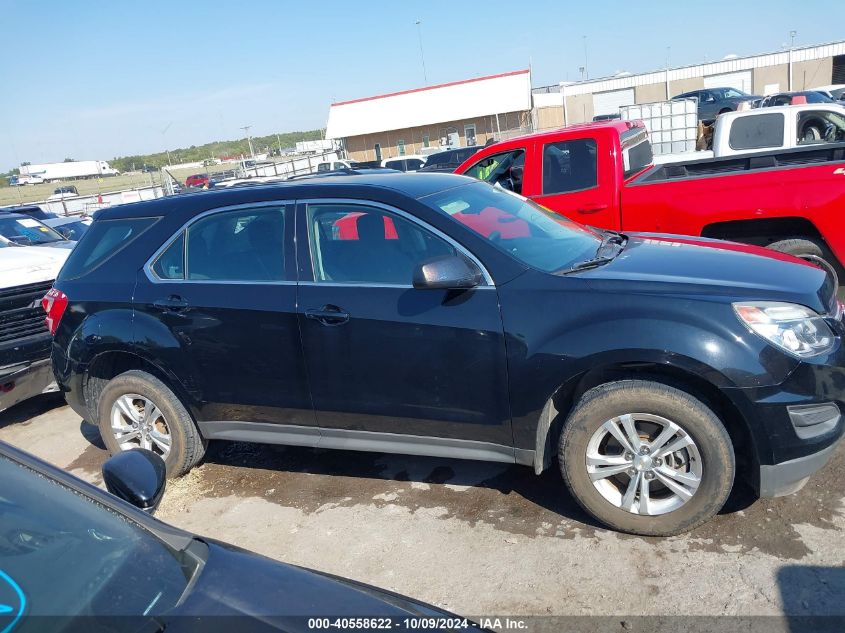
{"type": "Point", "coordinates": [480, 538]}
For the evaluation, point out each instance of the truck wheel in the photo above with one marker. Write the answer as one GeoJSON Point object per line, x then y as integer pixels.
{"type": "Point", "coordinates": [137, 410]}
{"type": "Point", "coordinates": [646, 458]}
{"type": "Point", "coordinates": [800, 248]}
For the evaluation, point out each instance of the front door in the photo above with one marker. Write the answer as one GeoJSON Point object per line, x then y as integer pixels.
{"type": "Point", "coordinates": [574, 183]}
{"type": "Point", "coordinates": [219, 304]}
{"type": "Point", "coordinates": [384, 357]}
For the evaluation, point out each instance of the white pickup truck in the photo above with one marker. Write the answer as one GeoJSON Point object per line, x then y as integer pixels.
{"type": "Point", "coordinates": [26, 274]}
{"type": "Point", "coordinates": [770, 129]}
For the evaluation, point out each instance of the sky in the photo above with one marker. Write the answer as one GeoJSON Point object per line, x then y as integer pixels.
{"type": "Point", "coordinates": [95, 80]}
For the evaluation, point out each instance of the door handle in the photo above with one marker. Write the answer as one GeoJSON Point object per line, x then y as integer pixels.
{"type": "Point", "coordinates": [592, 208]}
{"type": "Point", "coordinates": [173, 303]}
{"type": "Point", "coordinates": [328, 315]}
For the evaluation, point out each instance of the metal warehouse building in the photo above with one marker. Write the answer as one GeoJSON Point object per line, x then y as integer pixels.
{"type": "Point", "coordinates": [457, 114]}
{"type": "Point", "coordinates": [796, 69]}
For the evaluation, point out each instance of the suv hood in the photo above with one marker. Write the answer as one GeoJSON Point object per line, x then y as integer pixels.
{"type": "Point", "coordinates": [21, 265]}
{"type": "Point", "coordinates": [696, 266]}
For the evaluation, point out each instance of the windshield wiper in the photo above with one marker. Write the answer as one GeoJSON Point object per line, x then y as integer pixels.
{"type": "Point", "coordinates": [610, 239]}
{"type": "Point", "coordinates": [595, 262]}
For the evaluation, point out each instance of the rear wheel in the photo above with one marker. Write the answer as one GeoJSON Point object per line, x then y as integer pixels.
{"type": "Point", "coordinates": [646, 458]}
{"type": "Point", "coordinates": [137, 410]}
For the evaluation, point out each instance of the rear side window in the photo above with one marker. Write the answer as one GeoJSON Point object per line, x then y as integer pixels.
{"type": "Point", "coordinates": [242, 245]}
{"type": "Point", "coordinates": [101, 242]}
{"type": "Point", "coordinates": [756, 132]}
{"type": "Point", "coordinates": [569, 166]}
{"type": "Point", "coordinates": [395, 164]}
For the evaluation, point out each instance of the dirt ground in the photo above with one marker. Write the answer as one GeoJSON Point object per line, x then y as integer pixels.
{"type": "Point", "coordinates": [479, 538]}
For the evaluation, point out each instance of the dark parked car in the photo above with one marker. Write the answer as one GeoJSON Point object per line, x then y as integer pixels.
{"type": "Point", "coordinates": [715, 101]}
{"type": "Point", "coordinates": [433, 314]}
{"type": "Point", "coordinates": [785, 98]}
{"type": "Point", "coordinates": [122, 570]}
{"type": "Point", "coordinates": [31, 210]}
{"type": "Point", "coordinates": [448, 161]}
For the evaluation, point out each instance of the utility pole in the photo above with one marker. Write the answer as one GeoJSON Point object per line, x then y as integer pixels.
{"type": "Point", "coordinates": [668, 63]}
{"type": "Point", "coordinates": [422, 56]}
{"type": "Point", "coordinates": [163, 132]}
{"type": "Point", "coordinates": [279, 141]}
{"type": "Point", "coordinates": [792, 35]}
{"type": "Point", "coordinates": [586, 73]}
{"type": "Point", "coordinates": [245, 128]}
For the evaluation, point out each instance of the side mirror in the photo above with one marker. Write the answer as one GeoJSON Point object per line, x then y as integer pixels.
{"type": "Point", "coordinates": [450, 272]}
{"type": "Point", "coordinates": [137, 476]}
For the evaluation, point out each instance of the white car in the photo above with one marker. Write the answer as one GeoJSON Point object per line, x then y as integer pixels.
{"type": "Point", "coordinates": [411, 162]}
{"type": "Point", "coordinates": [834, 91]}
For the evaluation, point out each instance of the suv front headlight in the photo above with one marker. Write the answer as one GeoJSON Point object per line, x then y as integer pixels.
{"type": "Point", "coordinates": [791, 327]}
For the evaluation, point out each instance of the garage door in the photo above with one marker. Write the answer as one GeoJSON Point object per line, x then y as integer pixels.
{"type": "Point", "coordinates": [740, 81]}
{"type": "Point", "coordinates": [610, 102]}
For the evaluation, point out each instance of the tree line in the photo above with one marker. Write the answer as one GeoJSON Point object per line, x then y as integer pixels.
{"type": "Point", "coordinates": [216, 149]}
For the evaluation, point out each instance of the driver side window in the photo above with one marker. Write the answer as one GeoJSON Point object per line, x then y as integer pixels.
{"type": "Point", "coordinates": [504, 169]}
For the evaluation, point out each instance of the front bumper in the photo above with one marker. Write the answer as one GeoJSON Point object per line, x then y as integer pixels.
{"type": "Point", "coordinates": [777, 480]}
{"type": "Point", "coordinates": [19, 383]}
{"type": "Point", "coordinates": [796, 426]}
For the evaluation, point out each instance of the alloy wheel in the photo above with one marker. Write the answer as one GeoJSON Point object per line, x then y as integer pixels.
{"type": "Point", "coordinates": [644, 464]}
{"type": "Point", "coordinates": [136, 422]}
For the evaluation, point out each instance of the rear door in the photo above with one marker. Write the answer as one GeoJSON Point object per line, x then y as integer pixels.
{"type": "Point", "coordinates": [224, 288]}
{"type": "Point", "coordinates": [576, 180]}
{"type": "Point", "coordinates": [384, 357]}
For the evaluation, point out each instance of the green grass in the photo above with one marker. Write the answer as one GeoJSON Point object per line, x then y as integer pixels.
{"type": "Point", "coordinates": [38, 193]}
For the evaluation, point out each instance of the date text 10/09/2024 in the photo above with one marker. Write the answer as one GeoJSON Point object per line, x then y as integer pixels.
{"type": "Point", "coordinates": [417, 623]}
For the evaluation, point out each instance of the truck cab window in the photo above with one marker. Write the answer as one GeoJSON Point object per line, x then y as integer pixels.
{"type": "Point", "coordinates": [820, 126]}
{"type": "Point", "coordinates": [503, 169]}
{"type": "Point", "coordinates": [757, 132]}
{"type": "Point", "coordinates": [569, 166]}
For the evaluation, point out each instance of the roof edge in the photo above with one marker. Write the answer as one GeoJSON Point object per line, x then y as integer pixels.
{"type": "Point", "coordinates": [446, 85]}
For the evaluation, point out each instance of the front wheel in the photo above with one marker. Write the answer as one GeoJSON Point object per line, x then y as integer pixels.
{"type": "Point", "coordinates": [646, 458]}
{"type": "Point", "coordinates": [137, 410]}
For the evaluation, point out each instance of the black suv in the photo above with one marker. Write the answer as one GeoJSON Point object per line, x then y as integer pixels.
{"type": "Point", "coordinates": [432, 314]}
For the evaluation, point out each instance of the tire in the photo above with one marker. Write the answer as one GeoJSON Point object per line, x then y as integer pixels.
{"type": "Point", "coordinates": [811, 133]}
{"type": "Point", "coordinates": [799, 247]}
{"type": "Point", "coordinates": [186, 444]}
{"type": "Point", "coordinates": [711, 455]}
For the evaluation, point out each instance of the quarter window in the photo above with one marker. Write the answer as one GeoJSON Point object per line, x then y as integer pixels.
{"type": "Point", "coordinates": [569, 166]}
{"type": "Point", "coordinates": [171, 263]}
{"type": "Point", "coordinates": [360, 244]}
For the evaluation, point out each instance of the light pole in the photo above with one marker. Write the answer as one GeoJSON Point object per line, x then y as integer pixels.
{"type": "Point", "coordinates": [245, 128]}
{"type": "Point", "coordinates": [586, 72]}
{"type": "Point", "coordinates": [792, 35]}
{"type": "Point", "coordinates": [422, 55]}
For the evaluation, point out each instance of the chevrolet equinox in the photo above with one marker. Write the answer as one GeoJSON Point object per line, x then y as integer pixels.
{"type": "Point", "coordinates": [436, 315]}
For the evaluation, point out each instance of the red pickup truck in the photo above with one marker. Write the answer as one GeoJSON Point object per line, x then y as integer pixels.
{"type": "Point", "coordinates": [601, 174]}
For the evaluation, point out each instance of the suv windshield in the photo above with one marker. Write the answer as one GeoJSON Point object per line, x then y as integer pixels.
{"type": "Point", "coordinates": [524, 230]}
{"type": "Point", "coordinates": [107, 564]}
{"type": "Point", "coordinates": [27, 231]}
